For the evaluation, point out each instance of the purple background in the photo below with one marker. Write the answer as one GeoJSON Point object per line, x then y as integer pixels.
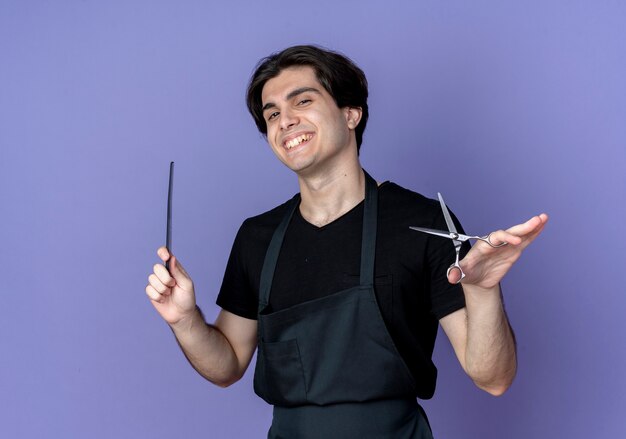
{"type": "Point", "coordinates": [507, 108]}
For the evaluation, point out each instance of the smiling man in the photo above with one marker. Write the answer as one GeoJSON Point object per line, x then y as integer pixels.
{"type": "Point", "coordinates": [341, 298]}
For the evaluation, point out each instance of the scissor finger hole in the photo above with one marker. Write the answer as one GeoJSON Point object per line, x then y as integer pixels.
{"type": "Point", "coordinates": [495, 245]}
{"type": "Point", "coordinates": [457, 268]}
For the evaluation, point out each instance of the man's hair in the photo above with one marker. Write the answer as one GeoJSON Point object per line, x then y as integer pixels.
{"type": "Point", "coordinates": [339, 76]}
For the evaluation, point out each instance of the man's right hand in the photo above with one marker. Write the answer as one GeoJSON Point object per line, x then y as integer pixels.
{"type": "Point", "coordinates": [171, 292]}
{"type": "Point", "coordinates": [220, 352]}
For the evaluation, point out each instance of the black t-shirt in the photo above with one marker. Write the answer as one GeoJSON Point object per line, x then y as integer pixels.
{"type": "Point", "coordinates": [411, 286]}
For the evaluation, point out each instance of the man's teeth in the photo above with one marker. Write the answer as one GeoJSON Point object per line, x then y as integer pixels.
{"type": "Point", "coordinates": [298, 140]}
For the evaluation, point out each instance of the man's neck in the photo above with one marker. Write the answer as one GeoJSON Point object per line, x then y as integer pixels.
{"type": "Point", "coordinates": [328, 195]}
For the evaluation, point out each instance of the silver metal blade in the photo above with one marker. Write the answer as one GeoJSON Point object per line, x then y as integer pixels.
{"type": "Point", "coordinates": [446, 214]}
{"type": "Point", "coordinates": [433, 232]}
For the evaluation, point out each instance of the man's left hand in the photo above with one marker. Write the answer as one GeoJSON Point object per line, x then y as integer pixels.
{"type": "Point", "coordinates": [485, 266]}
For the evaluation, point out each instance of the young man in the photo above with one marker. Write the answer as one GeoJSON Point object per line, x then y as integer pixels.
{"type": "Point", "coordinates": [340, 296]}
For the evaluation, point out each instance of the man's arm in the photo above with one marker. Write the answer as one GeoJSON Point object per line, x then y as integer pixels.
{"type": "Point", "coordinates": [483, 340]}
{"type": "Point", "coordinates": [480, 333]}
{"type": "Point", "coordinates": [221, 352]}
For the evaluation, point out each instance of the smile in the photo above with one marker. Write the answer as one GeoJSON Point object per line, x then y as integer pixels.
{"type": "Point", "coordinates": [298, 140]}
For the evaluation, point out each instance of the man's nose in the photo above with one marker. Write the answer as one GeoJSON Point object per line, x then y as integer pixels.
{"type": "Point", "coordinates": [288, 119]}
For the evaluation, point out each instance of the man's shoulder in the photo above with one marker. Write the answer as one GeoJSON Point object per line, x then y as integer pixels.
{"type": "Point", "coordinates": [405, 201]}
{"type": "Point", "coordinates": [266, 221]}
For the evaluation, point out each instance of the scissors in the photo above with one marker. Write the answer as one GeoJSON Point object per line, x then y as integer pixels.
{"type": "Point", "coordinates": [457, 238]}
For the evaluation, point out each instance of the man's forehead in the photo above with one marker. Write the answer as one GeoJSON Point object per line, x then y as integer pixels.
{"type": "Point", "coordinates": [289, 79]}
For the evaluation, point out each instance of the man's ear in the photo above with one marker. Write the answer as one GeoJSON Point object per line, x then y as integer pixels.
{"type": "Point", "coordinates": [353, 116]}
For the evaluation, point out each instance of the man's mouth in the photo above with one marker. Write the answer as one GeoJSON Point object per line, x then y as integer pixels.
{"type": "Point", "coordinates": [298, 140]}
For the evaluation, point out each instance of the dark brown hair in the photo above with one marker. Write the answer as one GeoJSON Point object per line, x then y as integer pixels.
{"type": "Point", "coordinates": [339, 76]}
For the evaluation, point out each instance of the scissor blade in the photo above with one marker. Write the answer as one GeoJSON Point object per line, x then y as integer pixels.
{"type": "Point", "coordinates": [432, 232]}
{"type": "Point", "coordinates": [446, 214]}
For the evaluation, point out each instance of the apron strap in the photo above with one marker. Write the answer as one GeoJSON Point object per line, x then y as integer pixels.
{"type": "Point", "coordinates": [273, 250]}
{"type": "Point", "coordinates": [368, 241]}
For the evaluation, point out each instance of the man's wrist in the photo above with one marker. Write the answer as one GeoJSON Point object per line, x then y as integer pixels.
{"type": "Point", "coordinates": [188, 321]}
{"type": "Point", "coordinates": [476, 293]}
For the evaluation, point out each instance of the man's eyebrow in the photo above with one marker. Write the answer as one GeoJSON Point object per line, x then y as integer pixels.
{"type": "Point", "coordinates": [299, 91]}
{"type": "Point", "coordinates": [293, 94]}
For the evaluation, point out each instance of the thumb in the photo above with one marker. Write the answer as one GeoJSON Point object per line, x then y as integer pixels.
{"type": "Point", "coordinates": [179, 274]}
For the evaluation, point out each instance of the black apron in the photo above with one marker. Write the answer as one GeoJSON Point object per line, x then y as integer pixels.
{"type": "Point", "coordinates": [329, 365]}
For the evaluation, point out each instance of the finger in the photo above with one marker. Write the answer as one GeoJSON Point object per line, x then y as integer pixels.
{"type": "Point", "coordinates": [521, 235]}
{"type": "Point", "coordinates": [153, 294]}
{"type": "Point", "coordinates": [179, 273]}
{"type": "Point", "coordinates": [544, 220]}
{"type": "Point", "coordinates": [500, 236]}
{"type": "Point", "coordinates": [529, 226]}
{"type": "Point", "coordinates": [158, 286]}
{"type": "Point", "coordinates": [530, 237]}
{"type": "Point", "coordinates": [164, 276]}
{"type": "Point", "coordinates": [163, 253]}
{"type": "Point", "coordinates": [454, 276]}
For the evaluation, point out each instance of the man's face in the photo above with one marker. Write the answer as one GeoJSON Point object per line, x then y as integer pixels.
{"type": "Point", "coordinates": [305, 128]}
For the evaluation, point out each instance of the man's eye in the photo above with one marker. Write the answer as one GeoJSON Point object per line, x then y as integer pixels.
{"type": "Point", "coordinates": [304, 101]}
{"type": "Point", "coordinates": [272, 115]}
